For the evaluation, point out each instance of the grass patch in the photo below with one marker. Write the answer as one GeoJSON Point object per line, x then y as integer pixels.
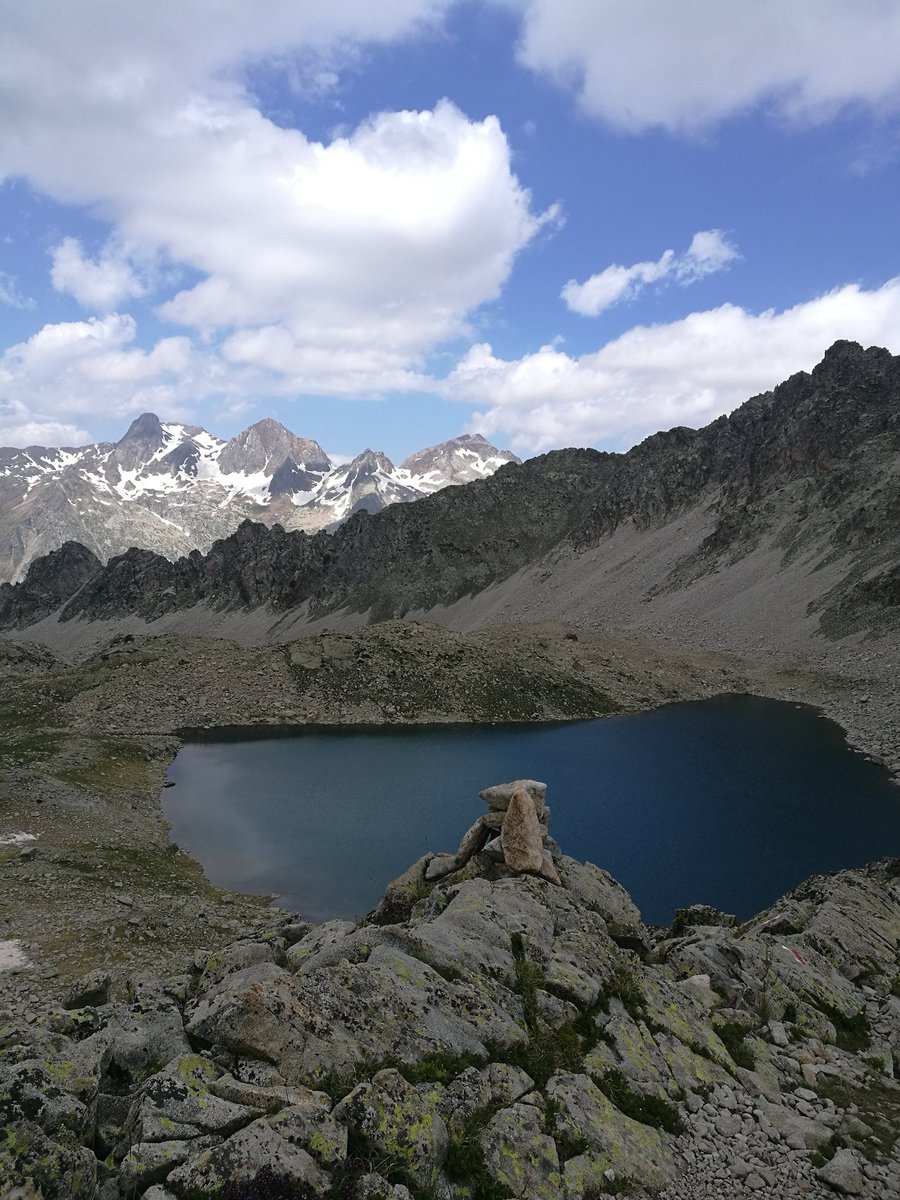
{"type": "Point", "coordinates": [851, 1032]}
{"type": "Point", "coordinates": [648, 1110]}
{"type": "Point", "coordinates": [733, 1035]}
{"type": "Point", "coordinates": [547, 1050]}
{"type": "Point", "coordinates": [465, 1162]}
{"type": "Point", "coordinates": [879, 1107]}
{"type": "Point", "coordinates": [623, 986]}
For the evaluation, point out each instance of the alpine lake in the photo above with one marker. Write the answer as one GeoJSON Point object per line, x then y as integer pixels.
{"type": "Point", "coordinates": [730, 801]}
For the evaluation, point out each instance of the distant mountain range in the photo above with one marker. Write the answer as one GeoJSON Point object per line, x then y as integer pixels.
{"type": "Point", "coordinates": [174, 488]}
{"type": "Point", "coordinates": [774, 525]}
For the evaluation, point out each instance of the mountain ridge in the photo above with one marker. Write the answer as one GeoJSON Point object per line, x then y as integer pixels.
{"type": "Point", "coordinates": [171, 487]}
{"type": "Point", "coordinates": [810, 469]}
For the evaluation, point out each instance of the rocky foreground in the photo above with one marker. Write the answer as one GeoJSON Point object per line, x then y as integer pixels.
{"type": "Point", "coordinates": [502, 1025]}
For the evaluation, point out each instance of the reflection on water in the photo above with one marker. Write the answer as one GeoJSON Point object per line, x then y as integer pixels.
{"type": "Point", "coordinates": [729, 801]}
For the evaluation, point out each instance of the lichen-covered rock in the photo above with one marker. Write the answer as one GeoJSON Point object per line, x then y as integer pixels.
{"type": "Point", "coordinates": [629, 1048]}
{"type": "Point", "coordinates": [439, 866]}
{"type": "Point", "coordinates": [520, 1156]}
{"type": "Point", "coordinates": [481, 1089]}
{"type": "Point", "coordinates": [177, 1103]}
{"type": "Point", "coordinates": [842, 1174]}
{"type": "Point", "coordinates": [790, 1124]}
{"type": "Point", "coordinates": [42, 1166]}
{"type": "Point", "coordinates": [635, 1152]}
{"type": "Point", "coordinates": [28, 1091]}
{"type": "Point", "coordinates": [320, 946]}
{"type": "Point", "coordinates": [401, 1122]}
{"type": "Point", "coordinates": [331, 1021]}
{"type": "Point", "coordinates": [236, 958]}
{"type": "Point", "coordinates": [593, 888]}
{"type": "Point", "coordinates": [401, 894]}
{"type": "Point", "coordinates": [471, 934]}
{"type": "Point", "coordinates": [148, 1163]}
{"type": "Point", "coordinates": [274, 1143]}
{"type": "Point", "coordinates": [373, 1186]}
{"type": "Point", "coordinates": [138, 1037]}
{"type": "Point", "coordinates": [90, 990]}
{"type": "Point", "coordinates": [269, 1099]}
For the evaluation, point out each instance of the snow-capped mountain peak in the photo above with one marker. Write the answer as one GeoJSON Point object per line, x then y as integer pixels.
{"type": "Point", "coordinates": [460, 460]}
{"type": "Point", "coordinates": [172, 487]}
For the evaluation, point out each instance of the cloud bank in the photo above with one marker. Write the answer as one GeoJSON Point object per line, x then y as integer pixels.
{"type": "Point", "coordinates": [331, 267]}
{"type": "Point", "coordinates": [654, 377]}
{"type": "Point", "coordinates": [686, 66]}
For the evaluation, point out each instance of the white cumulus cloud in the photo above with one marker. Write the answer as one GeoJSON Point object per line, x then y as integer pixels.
{"type": "Point", "coordinates": [342, 263]}
{"type": "Point", "coordinates": [80, 369]}
{"type": "Point", "coordinates": [709, 251]}
{"type": "Point", "coordinates": [686, 66]}
{"type": "Point", "coordinates": [102, 283]}
{"type": "Point", "coordinates": [686, 372]}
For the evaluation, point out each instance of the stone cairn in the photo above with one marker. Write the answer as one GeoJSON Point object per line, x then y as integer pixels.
{"type": "Point", "coordinates": [513, 831]}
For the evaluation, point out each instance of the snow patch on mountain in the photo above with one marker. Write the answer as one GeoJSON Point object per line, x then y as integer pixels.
{"type": "Point", "coordinates": [171, 487]}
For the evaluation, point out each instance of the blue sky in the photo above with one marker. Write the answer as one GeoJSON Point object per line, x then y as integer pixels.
{"type": "Point", "coordinates": [556, 222]}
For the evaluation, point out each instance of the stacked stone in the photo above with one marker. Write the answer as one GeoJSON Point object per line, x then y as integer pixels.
{"type": "Point", "coordinates": [514, 831]}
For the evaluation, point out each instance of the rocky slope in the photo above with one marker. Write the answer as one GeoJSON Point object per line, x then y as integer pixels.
{"type": "Point", "coordinates": [173, 488]}
{"type": "Point", "coordinates": [485, 1034]}
{"type": "Point", "coordinates": [797, 492]}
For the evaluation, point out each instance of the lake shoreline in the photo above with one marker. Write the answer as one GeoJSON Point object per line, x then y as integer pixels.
{"type": "Point", "coordinates": [89, 742]}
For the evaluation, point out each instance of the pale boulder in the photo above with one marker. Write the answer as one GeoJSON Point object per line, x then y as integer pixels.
{"type": "Point", "coordinates": [521, 835]}
{"type": "Point", "coordinates": [498, 797]}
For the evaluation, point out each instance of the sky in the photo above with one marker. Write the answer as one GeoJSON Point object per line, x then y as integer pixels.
{"type": "Point", "coordinates": [553, 222]}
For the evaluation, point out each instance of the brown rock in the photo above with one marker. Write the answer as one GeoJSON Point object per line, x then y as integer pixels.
{"type": "Point", "coordinates": [549, 871]}
{"type": "Point", "coordinates": [498, 797]}
{"type": "Point", "coordinates": [521, 834]}
{"type": "Point", "coordinates": [473, 840]}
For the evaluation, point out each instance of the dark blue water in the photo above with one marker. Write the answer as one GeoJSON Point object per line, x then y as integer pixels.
{"type": "Point", "coordinates": [730, 801]}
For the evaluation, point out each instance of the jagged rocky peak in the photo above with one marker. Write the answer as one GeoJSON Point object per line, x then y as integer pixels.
{"type": "Point", "coordinates": [144, 437]}
{"type": "Point", "coordinates": [50, 581]}
{"type": "Point", "coordinates": [368, 463]}
{"type": "Point", "coordinates": [268, 445]}
{"type": "Point", "coordinates": [459, 460]}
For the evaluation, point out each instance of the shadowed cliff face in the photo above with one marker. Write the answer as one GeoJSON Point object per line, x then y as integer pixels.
{"type": "Point", "coordinates": [813, 464]}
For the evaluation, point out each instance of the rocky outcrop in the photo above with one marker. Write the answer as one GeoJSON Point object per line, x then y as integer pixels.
{"type": "Point", "coordinates": [513, 831]}
{"type": "Point", "coordinates": [499, 1035]}
{"type": "Point", "coordinates": [50, 582]}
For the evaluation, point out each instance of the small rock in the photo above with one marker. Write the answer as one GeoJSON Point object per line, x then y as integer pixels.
{"type": "Point", "coordinates": [842, 1174]}
{"type": "Point", "coordinates": [90, 990]}
{"type": "Point", "coordinates": [778, 1034]}
{"type": "Point", "coordinates": [498, 797]}
{"type": "Point", "coordinates": [440, 865]}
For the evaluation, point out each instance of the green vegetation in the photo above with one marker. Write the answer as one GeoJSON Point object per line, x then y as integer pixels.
{"type": "Point", "coordinates": [733, 1035]}
{"type": "Point", "coordinates": [547, 1051]}
{"type": "Point", "coordinates": [649, 1110]}
{"type": "Point", "coordinates": [624, 987]}
{"type": "Point", "coordinates": [852, 1032]}
{"type": "Point", "coordinates": [465, 1162]}
{"type": "Point", "coordinates": [878, 1102]}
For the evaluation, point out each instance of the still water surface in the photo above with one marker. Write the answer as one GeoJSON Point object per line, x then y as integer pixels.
{"type": "Point", "coordinates": [729, 801]}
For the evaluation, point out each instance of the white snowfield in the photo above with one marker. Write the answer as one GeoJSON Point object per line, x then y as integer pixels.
{"type": "Point", "coordinates": [17, 839]}
{"type": "Point", "coordinates": [12, 956]}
